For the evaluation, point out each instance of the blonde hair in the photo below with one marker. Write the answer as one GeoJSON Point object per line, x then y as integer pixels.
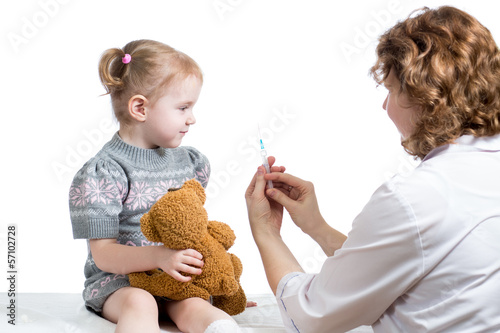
{"type": "Point", "coordinates": [449, 65]}
{"type": "Point", "coordinates": [153, 66]}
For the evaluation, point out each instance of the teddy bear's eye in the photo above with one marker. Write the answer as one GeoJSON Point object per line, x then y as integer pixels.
{"type": "Point", "coordinates": [172, 189]}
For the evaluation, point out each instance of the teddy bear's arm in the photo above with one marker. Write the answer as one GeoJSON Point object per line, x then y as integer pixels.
{"type": "Point", "coordinates": [222, 233]}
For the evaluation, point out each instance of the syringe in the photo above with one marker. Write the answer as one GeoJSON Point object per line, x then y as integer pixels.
{"type": "Point", "coordinates": [265, 163]}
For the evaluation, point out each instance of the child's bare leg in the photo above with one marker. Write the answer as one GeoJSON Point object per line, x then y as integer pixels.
{"type": "Point", "coordinates": [194, 315]}
{"type": "Point", "coordinates": [133, 310]}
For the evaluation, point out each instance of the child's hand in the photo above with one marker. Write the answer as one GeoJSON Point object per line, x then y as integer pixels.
{"type": "Point", "coordinates": [175, 262]}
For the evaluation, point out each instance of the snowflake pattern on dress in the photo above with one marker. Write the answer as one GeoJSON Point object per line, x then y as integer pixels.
{"type": "Point", "coordinates": [93, 191]}
{"type": "Point", "coordinates": [102, 191]}
{"type": "Point", "coordinates": [77, 195]}
{"type": "Point", "coordinates": [140, 196]}
{"type": "Point", "coordinates": [203, 175]}
{"type": "Point", "coordinates": [162, 187]}
{"type": "Point", "coordinates": [143, 195]}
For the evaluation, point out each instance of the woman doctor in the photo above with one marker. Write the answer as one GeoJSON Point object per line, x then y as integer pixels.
{"type": "Point", "coordinates": [424, 253]}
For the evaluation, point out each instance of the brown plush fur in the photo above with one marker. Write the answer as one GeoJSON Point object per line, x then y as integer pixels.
{"type": "Point", "coordinates": [179, 221]}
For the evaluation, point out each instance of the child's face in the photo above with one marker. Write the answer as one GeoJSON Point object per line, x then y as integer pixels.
{"type": "Point", "coordinates": [168, 120]}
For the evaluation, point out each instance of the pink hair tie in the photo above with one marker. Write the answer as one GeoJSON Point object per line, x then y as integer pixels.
{"type": "Point", "coordinates": [126, 59]}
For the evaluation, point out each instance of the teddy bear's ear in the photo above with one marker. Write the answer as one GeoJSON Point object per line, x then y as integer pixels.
{"type": "Point", "coordinates": [148, 228]}
{"type": "Point", "coordinates": [195, 186]}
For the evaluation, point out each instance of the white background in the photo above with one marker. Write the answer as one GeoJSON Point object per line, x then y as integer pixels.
{"type": "Point", "coordinates": [299, 68]}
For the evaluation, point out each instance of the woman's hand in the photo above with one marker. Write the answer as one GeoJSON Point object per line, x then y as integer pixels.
{"type": "Point", "coordinates": [265, 221]}
{"type": "Point", "coordinates": [265, 216]}
{"type": "Point", "coordinates": [175, 262]}
{"type": "Point", "coordinates": [299, 199]}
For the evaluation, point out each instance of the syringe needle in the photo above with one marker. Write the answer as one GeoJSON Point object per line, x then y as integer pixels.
{"type": "Point", "coordinates": [265, 162]}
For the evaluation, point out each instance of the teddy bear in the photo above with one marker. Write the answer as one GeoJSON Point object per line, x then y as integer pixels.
{"type": "Point", "coordinates": [179, 221]}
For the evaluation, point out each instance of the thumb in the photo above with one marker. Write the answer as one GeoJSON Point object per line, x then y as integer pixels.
{"type": "Point", "coordinates": [280, 197]}
{"type": "Point", "coordinates": [260, 182]}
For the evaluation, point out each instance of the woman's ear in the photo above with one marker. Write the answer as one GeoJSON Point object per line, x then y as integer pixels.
{"type": "Point", "coordinates": [137, 107]}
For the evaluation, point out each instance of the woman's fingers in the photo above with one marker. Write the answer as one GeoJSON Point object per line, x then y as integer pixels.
{"type": "Point", "coordinates": [260, 182]}
{"type": "Point", "coordinates": [290, 191]}
{"type": "Point", "coordinates": [281, 198]}
{"type": "Point", "coordinates": [286, 179]}
{"type": "Point", "coordinates": [271, 160]}
{"type": "Point", "coordinates": [251, 187]}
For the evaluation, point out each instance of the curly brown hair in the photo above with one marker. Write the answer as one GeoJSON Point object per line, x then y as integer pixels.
{"type": "Point", "coordinates": [449, 66]}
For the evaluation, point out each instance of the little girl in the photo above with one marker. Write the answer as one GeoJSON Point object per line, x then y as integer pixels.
{"type": "Point", "coordinates": [153, 90]}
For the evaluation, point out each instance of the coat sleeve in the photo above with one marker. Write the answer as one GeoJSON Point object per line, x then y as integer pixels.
{"type": "Point", "coordinates": [381, 258]}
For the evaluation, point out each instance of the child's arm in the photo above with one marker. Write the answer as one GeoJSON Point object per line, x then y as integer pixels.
{"type": "Point", "coordinates": [116, 258]}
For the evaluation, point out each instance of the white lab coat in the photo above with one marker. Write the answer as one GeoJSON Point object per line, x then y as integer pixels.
{"type": "Point", "coordinates": [422, 256]}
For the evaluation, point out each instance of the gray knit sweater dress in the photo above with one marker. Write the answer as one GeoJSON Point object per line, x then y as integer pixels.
{"type": "Point", "coordinates": [111, 192]}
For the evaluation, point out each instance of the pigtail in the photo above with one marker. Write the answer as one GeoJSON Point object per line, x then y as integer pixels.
{"type": "Point", "coordinates": [112, 70]}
